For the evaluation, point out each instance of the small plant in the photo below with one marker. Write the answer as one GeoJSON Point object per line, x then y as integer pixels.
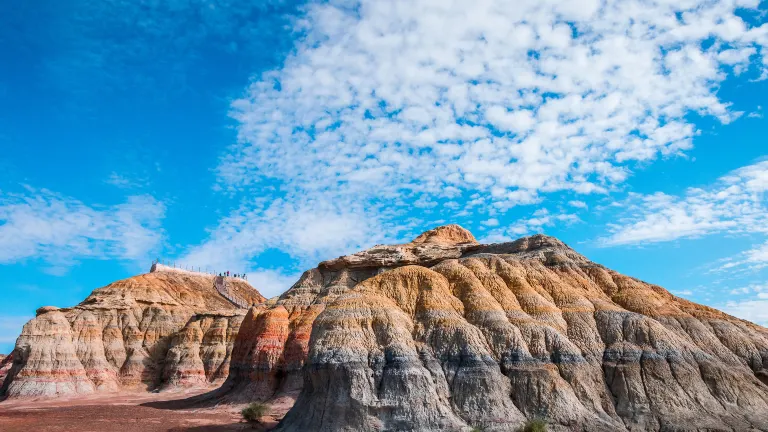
{"type": "Point", "coordinates": [477, 429]}
{"type": "Point", "coordinates": [254, 412]}
{"type": "Point", "coordinates": [534, 425]}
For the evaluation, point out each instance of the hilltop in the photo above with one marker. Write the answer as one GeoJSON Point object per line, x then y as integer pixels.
{"type": "Point", "coordinates": [444, 333]}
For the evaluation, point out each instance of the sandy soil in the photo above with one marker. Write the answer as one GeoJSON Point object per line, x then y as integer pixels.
{"type": "Point", "coordinates": [145, 412]}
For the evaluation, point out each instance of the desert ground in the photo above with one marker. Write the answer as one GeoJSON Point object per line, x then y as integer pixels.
{"type": "Point", "coordinates": [129, 412]}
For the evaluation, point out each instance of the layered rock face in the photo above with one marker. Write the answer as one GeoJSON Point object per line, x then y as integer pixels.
{"type": "Point", "coordinates": [273, 342]}
{"type": "Point", "coordinates": [5, 365]}
{"type": "Point", "coordinates": [447, 334]}
{"type": "Point", "coordinates": [156, 330]}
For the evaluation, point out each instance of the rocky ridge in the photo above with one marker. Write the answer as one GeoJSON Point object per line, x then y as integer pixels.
{"type": "Point", "coordinates": [444, 333]}
{"type": "Point", "coordinates": [153, 331]}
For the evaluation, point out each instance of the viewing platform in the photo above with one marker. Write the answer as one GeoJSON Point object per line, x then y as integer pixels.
{"type": "Point", "coordinates": [220, 283]}
{"type": "Point", "coordinates": [158, 267]}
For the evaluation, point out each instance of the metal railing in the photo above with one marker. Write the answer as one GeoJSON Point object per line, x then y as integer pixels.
{"type": "Point", "coordinates": [196, 269]}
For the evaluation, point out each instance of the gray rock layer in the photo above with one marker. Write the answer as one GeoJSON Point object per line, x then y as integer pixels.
{"type": "Point", "coordinates": [492, 335]}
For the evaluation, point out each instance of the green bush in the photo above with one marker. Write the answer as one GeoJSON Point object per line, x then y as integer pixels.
{"type": "Point", "coordinates": [534, 425]}
{"type": "Point", "coordinates": [254, 412]}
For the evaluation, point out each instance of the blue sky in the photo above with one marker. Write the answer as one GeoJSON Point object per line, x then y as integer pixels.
{"type": "Point", "coordinates": [266, 137]}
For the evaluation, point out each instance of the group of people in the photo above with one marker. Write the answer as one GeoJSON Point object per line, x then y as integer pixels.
{"type": "Point", "coordinates": [237, 275]}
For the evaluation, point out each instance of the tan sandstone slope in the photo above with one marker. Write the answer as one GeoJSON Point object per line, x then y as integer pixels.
{"type": "Point", "coordinates": [157, 330]}
{"type": "Point", "coordinates": [446, 334]}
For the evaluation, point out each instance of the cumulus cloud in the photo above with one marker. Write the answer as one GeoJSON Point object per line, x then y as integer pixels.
{"type": "Point", "coordinates": [512, 101]}
{"type": "Point", "coordinates": [578, 204]}
{"type": "Point", "coordinates": [59, 230]}
{"type": "Point", "coordinates": [308, 230]}
{"type": "Point", "coordinates": [381, 107]}
{"type": "Point", "coordinates": [735, 204]}
{"type": "Point", "coordinates": [271, 283]}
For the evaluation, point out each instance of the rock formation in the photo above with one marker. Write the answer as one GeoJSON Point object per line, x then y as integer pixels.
{"type": "Point", "coordinates": [447, 334]}
{"type": "Point", "coordinates": [157, 330]}
{"type": "Point", "coordinates": [5, 365]}
{"type": "Point", "coordinates": [440, 334]}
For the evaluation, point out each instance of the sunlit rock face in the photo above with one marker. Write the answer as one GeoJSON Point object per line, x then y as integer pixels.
{"type": "Point", "coordinates": [447, 334]}
{"type": "Point", "coordinates": [153, 331]}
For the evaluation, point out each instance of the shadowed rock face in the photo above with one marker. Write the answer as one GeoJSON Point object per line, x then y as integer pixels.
{"type": "Point", "coordinates": [5, 365]}
{"type": "Point", "coordinates": [150, 331]}
{"type": "Point", "coordinates": [450, 334]}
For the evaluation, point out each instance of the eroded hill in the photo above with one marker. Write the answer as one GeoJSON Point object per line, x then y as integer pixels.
{"type": "Point", "coordinates": [446, 334]}
{"type": "Point", "coordinates": [165, 328]}
{"type": "Point", "coordinates": [442, 333]}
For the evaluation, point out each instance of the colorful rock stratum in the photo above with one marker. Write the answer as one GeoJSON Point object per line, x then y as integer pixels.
{"type": "Point", "coordinates": [158, 330]}
{"type": "Point", "coordinates": [447, 334]}
{"type": "Point", "coordinates": [440, 334]}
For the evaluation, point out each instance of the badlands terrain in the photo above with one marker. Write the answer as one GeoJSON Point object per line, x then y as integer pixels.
{"type": "Point", "coordinates": [441, 333]}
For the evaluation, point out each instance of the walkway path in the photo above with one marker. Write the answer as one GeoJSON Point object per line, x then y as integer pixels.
{"type": "Point", "coordinates": [222, 286]}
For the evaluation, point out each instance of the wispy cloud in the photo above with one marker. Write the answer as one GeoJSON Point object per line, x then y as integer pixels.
{"type": "Point", "coordinates": [125, 182]}
{"type": "Point", "coordinates": [735, 204]}
{"type": "Point", "coordinates": [755, 310]}
{"type": "Point", "coordinates": [752, 260]}
{"type": "Point", "coordinates": [536, 224]}
{"type": "Point", "coordinates": [60, 230]}
{"type": "Point", "coordinates": [10, 328]}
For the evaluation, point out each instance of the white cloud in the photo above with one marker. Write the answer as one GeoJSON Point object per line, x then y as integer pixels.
{"type": "Point", "coordinates": [750, 310]}
{"type": "Point", "coordinates": [577, 204]}
{"type": "Point", "coordinates": [542, 96]}
{"type": "Point", "coordinates": [60, 230]}
{"type": "Point", "coordinates": [379, 109]}
{"type": "Point", "coordinates": [309, 230]}
{"type": "Point", "coordinates": [124, 182]}
{"type": "Point", "coordinates": [536, 224]}
{"type": "Point", "coordinates": [752, 288]}
{"type": "Point", "coordinates": [752, 259]}
{"type": "Point", "coordinates": [735, 204]}
{"type": "Point", "coordinates": [271, 283]}
{"type": "Point", "coordinates": [10, 328]}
